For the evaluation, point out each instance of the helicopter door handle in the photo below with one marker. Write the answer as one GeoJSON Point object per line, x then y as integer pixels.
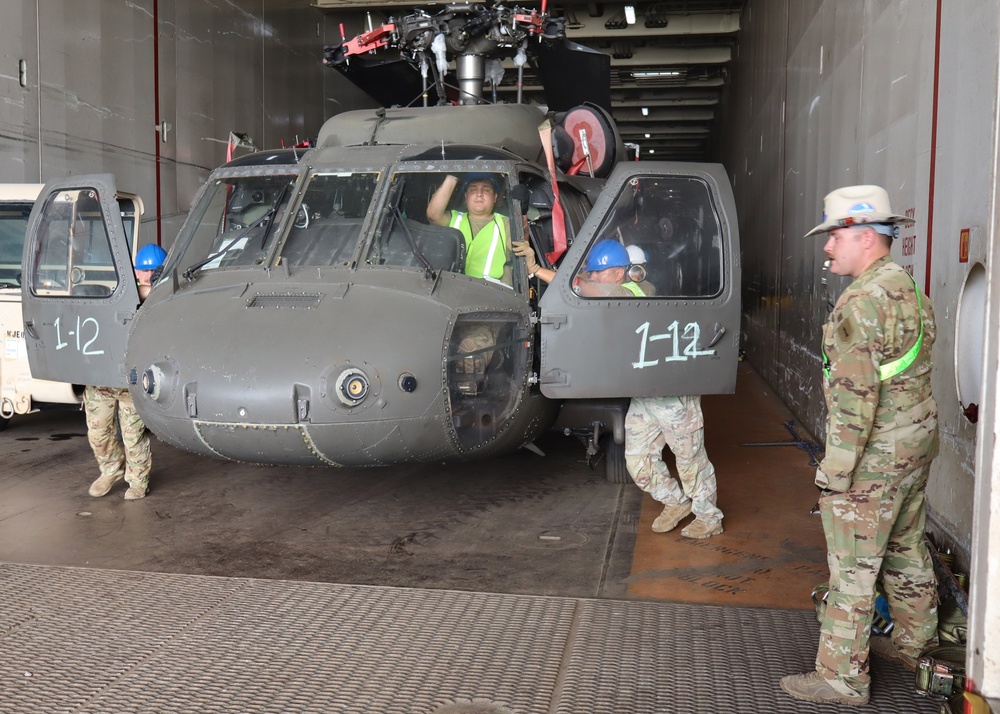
{"type": "Point", "coordinates": [555, 320]}
{"type": "Point", "coordinates": [29, 327]}
{"type": "Point", "coordinates": [556, 378]}
{"type": "Point", "coordinates": [720, 330]}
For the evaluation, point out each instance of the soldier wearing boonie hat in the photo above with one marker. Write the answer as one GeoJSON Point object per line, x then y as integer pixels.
{"type": "Point", "coordinates": [881, 437]}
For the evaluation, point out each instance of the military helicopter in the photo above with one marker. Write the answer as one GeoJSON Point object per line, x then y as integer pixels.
{"type": "Point", "coordinates": [310, 312]}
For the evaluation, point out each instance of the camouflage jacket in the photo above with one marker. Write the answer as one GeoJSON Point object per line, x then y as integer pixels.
{"type": "Point", "coordinates": [873, 425]}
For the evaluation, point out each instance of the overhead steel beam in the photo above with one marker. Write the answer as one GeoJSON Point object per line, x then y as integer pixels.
{"type": "Point", "coordinates": [649, 84]}
{"type": "Point", "coordinates": [672, 129]}
{"type": "Point", "coordinates": [662, 101]}
{"type": "Point", "coordinates": [652, 57]}
{"type": "Point", "coordinates": [658, 114]}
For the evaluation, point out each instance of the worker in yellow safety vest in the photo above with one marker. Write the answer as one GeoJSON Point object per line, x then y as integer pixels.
{"type": "Point", "coordinates": [487, 234]}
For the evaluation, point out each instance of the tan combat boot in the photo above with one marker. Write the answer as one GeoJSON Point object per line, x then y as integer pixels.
{"type": "Point", "coordinates": [812, 687]}
{"type": "Point", "coordinates": [134, 493]}
{"type": "Point", "coordinates": [701, 529]}
{"type": "Point", "coordinates": [671, 516]}
{"type": "Point", "coordinates": [102, 485]}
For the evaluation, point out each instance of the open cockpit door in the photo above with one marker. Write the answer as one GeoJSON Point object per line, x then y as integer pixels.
{"type": "Point", "coordinates": [666, 323]}
{"type": "Point", "coordinates": [79, 293]}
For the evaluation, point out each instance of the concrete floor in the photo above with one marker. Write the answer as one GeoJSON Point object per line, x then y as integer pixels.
{"type": "Point", "coordinates": [521, 524]}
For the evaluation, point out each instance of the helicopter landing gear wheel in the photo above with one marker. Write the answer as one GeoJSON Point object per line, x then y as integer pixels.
{"type": "Point", "coordinates": [615, 470]}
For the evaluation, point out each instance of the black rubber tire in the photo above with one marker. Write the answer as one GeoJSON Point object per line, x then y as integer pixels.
{"type": "Point", "coordinates": [615, 470]}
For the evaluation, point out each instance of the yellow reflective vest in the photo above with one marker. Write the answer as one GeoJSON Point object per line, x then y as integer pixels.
{"type": "Point", "coordinates": [486, 252]}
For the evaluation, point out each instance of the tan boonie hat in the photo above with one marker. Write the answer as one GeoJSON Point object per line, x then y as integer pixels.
{"type": "Point", "coordinates": [857, 205]}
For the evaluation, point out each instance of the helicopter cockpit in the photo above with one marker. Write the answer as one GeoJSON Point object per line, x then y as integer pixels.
{"type": "Point", "coordinates": [236, 221]}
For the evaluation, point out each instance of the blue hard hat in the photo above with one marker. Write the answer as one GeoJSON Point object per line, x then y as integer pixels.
{"type": "Point", "coordinates": [150, 257]}
{"type": "Point", "coordinates": [607, 253]}
{"type": "Point", "coordinates": [481, 177]}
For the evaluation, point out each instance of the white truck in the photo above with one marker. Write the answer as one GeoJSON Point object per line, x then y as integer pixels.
{"type": "Point", "coordinates": [19, 392]}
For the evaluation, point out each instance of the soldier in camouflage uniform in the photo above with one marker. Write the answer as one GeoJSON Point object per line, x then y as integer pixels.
{"type": "Point", "coordinates": [677, 422]}
{"type": "Point", "coordinates": [110, 410]}
{"type": "Point", "coordinates": [652, 422]}
{"type": "Point", "coordinates": [881, 437]}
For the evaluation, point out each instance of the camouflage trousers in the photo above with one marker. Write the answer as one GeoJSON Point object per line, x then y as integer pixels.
{"type": "Point", "coordinates": [476, 339]}
{"type": "Point", "coordinates": [875, 530]}
{"type": "Point", "coordinates": [109, 408]}
{"type": "Point", "coordinates": [677, 422]}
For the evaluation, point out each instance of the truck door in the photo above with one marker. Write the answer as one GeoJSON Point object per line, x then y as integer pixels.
{"type": "Point", "coordinates": [78, 290]}
{"type": "Point", "coordinates": [669, 322]}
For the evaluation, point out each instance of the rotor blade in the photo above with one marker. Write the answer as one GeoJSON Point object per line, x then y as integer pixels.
{"type": "Point", "coordinates": [573, 74]}
{"type": "Point", "coordinates": [388, 82]}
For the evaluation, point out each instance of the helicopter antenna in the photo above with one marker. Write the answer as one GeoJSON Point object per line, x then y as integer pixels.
{"type": "Point", "coordinates": [423, 76]}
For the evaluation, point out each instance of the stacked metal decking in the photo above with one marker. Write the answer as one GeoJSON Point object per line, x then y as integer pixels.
{"type": "Point", "coordinates": [77, 640]}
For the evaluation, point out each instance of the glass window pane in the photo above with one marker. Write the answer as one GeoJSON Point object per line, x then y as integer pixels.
{"type": "Point", "coordinates": [328, 223]}
{"type": "Point", "coordinates": [74, 256]}
{"type": "Point", "coordinates": [234, 223]}
{"type": "Point", "coordinates": [661, 239]}
{"type": "Point", "coordinates": [471, 233]}
{"type": "Point", "coordinates": [13, 223]}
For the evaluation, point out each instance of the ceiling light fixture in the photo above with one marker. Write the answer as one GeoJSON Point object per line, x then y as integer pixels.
{"type": "Point", "coordinates": [647, 136]}
{"type": "Point", "coordinates": [630, 14]}
{"type": "Point", "coordinates": [652, 151]}
{"type": "Point", "coordinates": [645, 111]}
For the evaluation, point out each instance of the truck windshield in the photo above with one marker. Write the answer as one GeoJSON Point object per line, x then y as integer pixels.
{"type": "Point", "coordinates": [13, 223]}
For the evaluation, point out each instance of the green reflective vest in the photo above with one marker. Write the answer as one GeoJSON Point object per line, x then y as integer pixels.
{"type": "Point", "coordinates": [486, 252]}
{"type": "Point", "coordinates": [634, 289]}
{"type": "Point", "coordinates": [888, 370]}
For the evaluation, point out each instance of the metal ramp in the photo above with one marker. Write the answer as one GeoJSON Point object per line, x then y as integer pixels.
{"type": "Point", "coordinates": [77, 640]}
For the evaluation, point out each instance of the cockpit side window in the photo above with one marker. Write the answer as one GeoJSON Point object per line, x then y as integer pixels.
{"type": "Point", "coordinates": [661, 239]}
{"type": "Point", "coordinates": [453, 221]}
{"type": "Point", "coordinates": [328, 222]}
{"type": "Point", "coordinates": [74, 258]}
{"type": "Point", "coordinates": [234, 223]}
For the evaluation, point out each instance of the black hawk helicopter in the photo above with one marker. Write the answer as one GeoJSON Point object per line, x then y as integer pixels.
{"type": "Point", "coordinates": [316, 309]}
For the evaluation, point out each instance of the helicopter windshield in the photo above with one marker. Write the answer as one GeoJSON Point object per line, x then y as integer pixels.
{"type": "Point", "coordinates": [451, 221]}
{"type": "Point", "coordinates": [232, 224]}
{"type": "Point", "coordinates": [328, 223]}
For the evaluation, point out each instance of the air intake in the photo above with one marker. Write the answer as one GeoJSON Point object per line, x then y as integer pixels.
{"type": "Point", "coordinates": [286, 301]}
